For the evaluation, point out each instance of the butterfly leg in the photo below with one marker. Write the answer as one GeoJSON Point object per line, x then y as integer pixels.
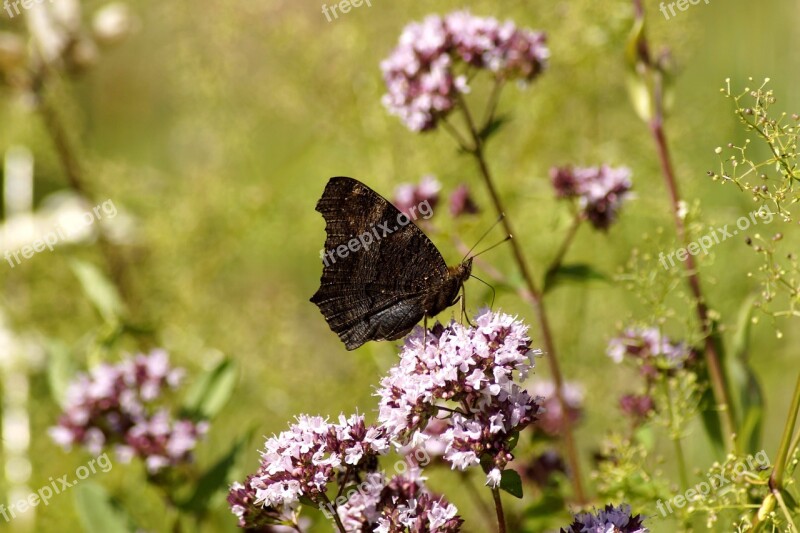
{"type": "Point", "coordinates": [463, 298]}
{"type": "Point", "coordinates": [425, 330]}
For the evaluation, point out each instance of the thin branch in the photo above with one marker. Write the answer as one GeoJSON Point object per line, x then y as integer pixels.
{"type": "Point", "coordinates": [538, 301]}
{"type": "Point", "coordinates": [498, 507]}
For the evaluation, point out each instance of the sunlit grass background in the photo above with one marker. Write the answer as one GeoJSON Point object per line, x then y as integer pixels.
{"type": "Point", "coordinates": [217, 124]}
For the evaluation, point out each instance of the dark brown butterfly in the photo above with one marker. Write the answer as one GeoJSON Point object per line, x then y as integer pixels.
{"type": "Point", "coordinates": [381, 274]}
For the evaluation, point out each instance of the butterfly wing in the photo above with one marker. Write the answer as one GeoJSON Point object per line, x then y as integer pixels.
{"type": "Point", "coordinates": [376, 270]}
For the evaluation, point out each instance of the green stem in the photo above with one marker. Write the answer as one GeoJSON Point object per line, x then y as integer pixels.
{"type": "Point", "coordinates": [334, 513]}
{"type": "Point", "coordinates": [73, 171]}
{"type": "Point", "coordinates": [776, 479]}
{"type": "Point", "coordinates": [566, 243]}
{"type": "Point", "coordinates": [498, 507]}
{"type": "Point", "coordinates": [477, 150]}
{"type": "Point", "coordinates": [675, 437]}
{"type": "Point", "coordinates": [485, 510]}
{"type": "Point", "coordinates": [713, 361]}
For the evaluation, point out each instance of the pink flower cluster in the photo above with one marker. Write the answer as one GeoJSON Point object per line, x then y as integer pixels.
{"type": "Point", "coordinates": [650, 346]}
{"type": "Point", "coordinates": [600, 191]}
{"type": "Point", "coordinates": [116, 405]}
{"type": "Point", "coordinates": [400, 506]}
{"type": "Point", "coordinates": [409, 195]}
{"type": "Point", "coordinates": [551, 420]}
{"type": "Point", "coordinates": [299, 463]}
{"type": "Point", "coordinates": [469, 374]}
{"type": "Point", "coordinates": [252, 516]}
{"type": "Point", "coordinates": [420, 74]}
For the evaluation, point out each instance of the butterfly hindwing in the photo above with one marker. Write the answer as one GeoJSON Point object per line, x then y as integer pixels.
{"type": "Point", "coordinates": [376, 269]}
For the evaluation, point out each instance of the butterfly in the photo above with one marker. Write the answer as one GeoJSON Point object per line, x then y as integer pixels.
{"type": "Point", "coordinates": [381, 274]}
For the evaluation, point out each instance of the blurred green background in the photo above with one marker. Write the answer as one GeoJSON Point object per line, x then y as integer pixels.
{"type": "Point", "coordinates": [217, 124]}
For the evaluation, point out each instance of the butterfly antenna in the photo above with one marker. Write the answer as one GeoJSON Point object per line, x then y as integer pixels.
{"type": "Point", "coordinates": [494, 293]}
{"type": "Point", "coordinates": [502, 215]}
{"type": "Point", "coordinates": [508, 238]}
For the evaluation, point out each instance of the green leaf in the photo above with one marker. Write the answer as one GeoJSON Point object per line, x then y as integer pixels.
{"type": "Point", "coordinates": [217, 478]}
{"type": "Point", "coordinates": [98, 511]}
{"type": "Point", "coordinates": [511, 483]}
{"type": "Point", "coordinates": [60, 369]}
{"type": "Point", "coordinates": [747, 392]}
{"type": "Point", "coordinates": [493, 127]}
{"type": "Point", "coordinates": [709, 412]}
{"type": "Point", "coordinates": [636, 79]}
{"type": "Point", "coordinates": [578, 273]}
{"type": "Point", "coordinates": [789, 500]}
{"type": "Point", "coordinates": [546, 514]}
{"type": "Point", "coordinates": [100, 291]}
{"type": "Point", "coordinates": [211, 391]}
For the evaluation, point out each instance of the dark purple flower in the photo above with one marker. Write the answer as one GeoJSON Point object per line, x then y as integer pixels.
{"type": "Point", "coordinates": [461, 202]}
{"type": "Point", "coordinates": [403, 505]}
{"type": "Point", "coordinates": [117, 405]}
{"type": "Point", "coordinates": [600, 191]}
{"type": "Point", "coordinates": [609, 520]}
{"type": "Point", "coordinates": [637, 406]}
{"type": "Point", "coordinates": [471, 375]}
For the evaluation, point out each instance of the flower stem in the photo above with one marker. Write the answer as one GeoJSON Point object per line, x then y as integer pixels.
{"type": "Point", "coordinates": [334, 513]}
{"type": "Point", "coordinates": [712, 357]}
{"type": "Point", "coordinates": [498, 507]}
{"type": "Point", "coordinates": [674, 435]}
{"type": "Point", "coordinates": [486, 511]}
{"type": "Point", "coordinates": [566, 243]}
{"type": "Point", "coordinates": [776, 479]}
{"type": "Point", "coordinates": [538, 301]}
{"type": "Point", "coordinates": [75, 178]}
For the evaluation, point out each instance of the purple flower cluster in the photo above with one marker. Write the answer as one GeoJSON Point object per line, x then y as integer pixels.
{"type": "Point", "coordinates": [609, 520]}
{"type": "Point", "coordinates": [401, 506]}
{"type": "Point", "coordinates": [600, 191]}
{"type": "Point", "coordinates": [649, 346]}
{"type": "Point", "coordinates": [302, 461]}
{"type": "Point", "coordinates": [252, 516]}
{"type": "Point", "coordinates": [420, 74]}
{"type": "Point", "coordinates": [116, 405]}
{"type": "Point", "coordinates": [462, 203]}
{"type": "Point", "coordinates": [637, 406]}
{"type": "Point", "coordinates": [469, 374]}
{"type": "Point", "coordinates": [408, 196]}
{"type": "Point", "coordinates": [551, 420]}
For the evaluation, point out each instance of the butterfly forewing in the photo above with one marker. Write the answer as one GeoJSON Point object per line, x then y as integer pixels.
{"type": "Point", "coordinates": [375, 292]}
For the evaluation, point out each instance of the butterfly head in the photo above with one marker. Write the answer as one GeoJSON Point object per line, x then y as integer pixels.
{"type": "Point", "coordinates": [462, 271]}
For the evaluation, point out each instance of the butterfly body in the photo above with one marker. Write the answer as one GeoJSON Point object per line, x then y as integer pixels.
{"type": "Point", "coordinates": [381, 273]}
